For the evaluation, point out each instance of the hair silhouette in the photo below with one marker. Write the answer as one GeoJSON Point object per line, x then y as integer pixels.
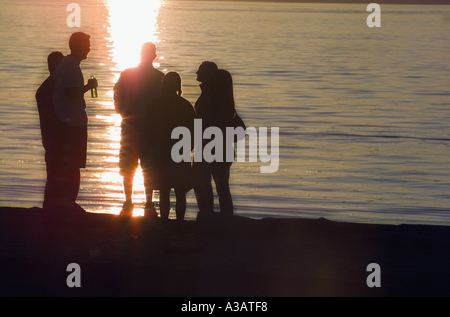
{"type": "Point", "coordinates": [78, 39]}
{"type": "Point", "coordinates": [53, 61]}
{"type": "Point", "coordinates": [171, 85]}
{"type": "Point", "coordinates": [221, 105]}
{"type": "Point", "coordinates": [205, 71]}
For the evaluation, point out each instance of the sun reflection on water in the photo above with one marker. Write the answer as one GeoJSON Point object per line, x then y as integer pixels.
{"type": "Point", "coordinates": [131, 23]}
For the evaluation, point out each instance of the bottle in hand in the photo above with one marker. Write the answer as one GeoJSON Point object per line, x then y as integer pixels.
{"type": "Point", "coordinates": [94, 93]}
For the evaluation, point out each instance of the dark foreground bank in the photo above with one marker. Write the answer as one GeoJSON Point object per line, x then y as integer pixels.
{"type": "Point", "coordinates": [218, 256]}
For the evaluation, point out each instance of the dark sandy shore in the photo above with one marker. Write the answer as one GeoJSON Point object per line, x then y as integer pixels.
{"type": "Point", "coordinates": [218, 256]}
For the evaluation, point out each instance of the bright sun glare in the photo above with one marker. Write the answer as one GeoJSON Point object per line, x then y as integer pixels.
{"type": "Point", "coordinates": [131, 23]}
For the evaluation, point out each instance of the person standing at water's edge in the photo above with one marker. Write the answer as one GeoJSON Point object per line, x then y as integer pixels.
{"type": "Point", "coordinates": [219, 113]}
{"type": "Point", "coordinates": [137, 90]}
{"type": "Point", "coordinates": [171, 113]}
{"type": "Point", "coordinates": [47, 120]}
{"type": "Point", "coordinates": [72, 120]}
{"type": "Point", "coordinates": [202, 175]}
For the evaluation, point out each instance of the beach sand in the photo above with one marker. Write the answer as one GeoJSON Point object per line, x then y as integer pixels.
{"type": "Point", "coordinates": [218, 255]}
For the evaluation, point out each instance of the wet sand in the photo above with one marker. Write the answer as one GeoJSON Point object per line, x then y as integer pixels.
{"type": "Point", "coordinates": [217, 255]}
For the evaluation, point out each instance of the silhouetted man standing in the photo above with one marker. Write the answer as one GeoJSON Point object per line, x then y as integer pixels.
{"type": "Point", "coordinates": [70, 109]}
{"type": "Point", "coordinates": [137, 90]}
{"type": "Point", "coordinates": [204, 74]}
{"type": "Point", "coordinates": [50, 141]}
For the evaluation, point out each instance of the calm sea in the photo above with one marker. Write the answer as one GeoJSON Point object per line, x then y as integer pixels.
{"type": "Point", "coordinates": [364, 113]}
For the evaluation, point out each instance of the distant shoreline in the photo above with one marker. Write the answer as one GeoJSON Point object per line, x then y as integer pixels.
{"type": "Point", "coordinates": [366, 2]}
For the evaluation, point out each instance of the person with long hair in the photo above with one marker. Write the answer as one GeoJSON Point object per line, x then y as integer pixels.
{"type": "Point", "coordinates": [219, 112]}
{"type": "Point", "coordinates": [173, 111]}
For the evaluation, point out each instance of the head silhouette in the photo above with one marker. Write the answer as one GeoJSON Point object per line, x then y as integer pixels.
{"type": "Point", "coordinates": [171, 85]}
{"type": "Point", "coordinates": [221, 90]}
{"type": "Point", "coordinates": [148, 53]}
{"type": "Point", "coordinates": [79, 45]}
{"type": "Point", "coordinates": [53, 61]}
{"type": "Point", "coordinates": [205, 71]}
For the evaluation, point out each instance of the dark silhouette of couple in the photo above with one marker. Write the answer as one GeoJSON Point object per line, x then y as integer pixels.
{"type": "Point", "coordinates": [151, 107]}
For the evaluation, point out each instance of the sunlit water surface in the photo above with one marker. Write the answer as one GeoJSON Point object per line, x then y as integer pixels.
{"type": "Point", "coordinates": [364, 113]}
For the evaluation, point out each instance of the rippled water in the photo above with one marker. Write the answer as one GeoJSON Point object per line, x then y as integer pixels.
{"type": "Point", "coordinates": [363, 112]}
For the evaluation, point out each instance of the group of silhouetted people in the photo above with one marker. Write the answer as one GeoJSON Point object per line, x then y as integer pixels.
{"type": "Point", "coordinates": [151, 105]}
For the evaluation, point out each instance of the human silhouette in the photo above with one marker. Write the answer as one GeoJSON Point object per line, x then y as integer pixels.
{"type": "Point", "coordinates": [216, 109]}
{"type": "Point", "coordinates": [49, 135]}
{"type": "Point", "coordinates": [202, 176]}
{"type": "Point", "coordinates": [204, 73]}
{"type": "Point", "coordinates": [72, 120]}
{"type": "Point", "coordinates": [173, 111]}
{"type": "Point", "coordinates": [136, 90]}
